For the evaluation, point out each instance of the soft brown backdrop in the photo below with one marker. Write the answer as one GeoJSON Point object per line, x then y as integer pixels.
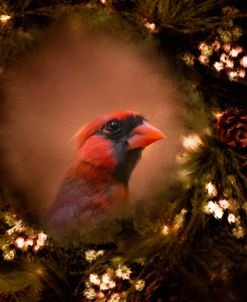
{"type": "Point", "coordinates": [74, 76]}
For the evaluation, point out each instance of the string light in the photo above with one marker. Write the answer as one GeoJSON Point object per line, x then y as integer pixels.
{"type": "Point", "coordinates": [107, 282]}
{"type": "Point", "coordinates": [94, 279]}
{"type": "Point", "coordinates": [241, 73]}
{"type": "Point", "coordinates": [140, 284]}
{"type": "Point", "coordinates": [238, 232]}
{"type": "Point", "coordinates": [218, 66]}
{"type": "Point", "coordinates": [19, 242]}
{"type": "Point", "coordinates": [215, 209]}
{"type": "Point", "coordinates": [192, 142]}
{"type": "Point", "coordinates": [243, 61]}
{"type": "Point", "coordinates": [204, 59]}
{"type": "Point", "coordinates": [10, 255]}
{"type": "Point", "coordinates": [217, 115]}
{"type": "Point", "coordinates": [211, 189]}
{"type": "Point", "coordinates": [92, 255]}
{"type": "Point", "coordinates": [224, 204]}
{"type": "Point", "coordinates": [231, 218]}
{"type": "Point", "coordinates": [150, 26]}
{"type": "Point", "coordinates": [233, 75]}
{"type": "Point", "coordinates": [5, 18]}
{"type": "Point", "coordinates": [111, 284]}
{"type": "Point", "coordinates": [234, 52]}
{"type": "Point", "coordinates": [115, 297]}
{"type": "Point", "coordinates": [165, 230]}
{"type": "Point", "coordinates": [123, 272]}
{"type": "Point", "coordinates": [89, 293]}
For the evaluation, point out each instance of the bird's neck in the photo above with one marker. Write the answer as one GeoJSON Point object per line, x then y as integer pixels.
{"type": "Point", "coordinates": [90, 173]}
{"type": "Point", "coordinates": [98, 182]}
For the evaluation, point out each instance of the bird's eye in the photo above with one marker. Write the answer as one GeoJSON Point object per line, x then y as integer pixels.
{"type": "Point", "coordinates": [113, 126]}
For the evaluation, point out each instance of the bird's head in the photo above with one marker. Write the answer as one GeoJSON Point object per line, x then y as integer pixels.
{"type": "Point", "coordinates": [114, 142]}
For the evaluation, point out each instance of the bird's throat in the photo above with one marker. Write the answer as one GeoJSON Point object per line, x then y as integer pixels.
{"type": "Point", "coordinates": [127, 165]}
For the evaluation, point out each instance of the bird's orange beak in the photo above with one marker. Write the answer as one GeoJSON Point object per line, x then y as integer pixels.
{"type": "Point", "coordinates": [144, 135]}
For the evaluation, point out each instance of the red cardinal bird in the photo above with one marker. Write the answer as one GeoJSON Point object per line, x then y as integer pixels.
{"type": "Point", "coordinates": [109, 147]}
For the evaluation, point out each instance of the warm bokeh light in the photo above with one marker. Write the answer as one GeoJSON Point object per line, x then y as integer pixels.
{"type": "Point", "coordinates": [5, 18]}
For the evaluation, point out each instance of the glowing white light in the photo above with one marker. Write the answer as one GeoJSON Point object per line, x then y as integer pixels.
{"type": "Point", "coordinates": [229, 63]}
{"type": "Point", "coordinates": [192, 142]}
{"type": "Point", "coordinates": [233, 75]}
{"type": "Point", "coordinates": [94, 279]}
{"type": "Point", "coordinates": [218, 114]}
{"type": "Point", "coordinates": [165, 230]}
{"type": "Point", "coordinates": [234, 52]}
{"type": "Point", "coordinates": [19, 242]}
{"type": "Point", "coordinates": [140, 284]}
{"type": "Point", "coordinates": [107, 282]}
{"type": "Point", "coordinates": [114, 298]}
{"type": "Point", "coordinates": [243, 61]}
{"type": "Point", "coordinates": [231, 218]}
{"type": "Point", "coordinates": [218, 213]}
{"type": "Point", "coordinates": [216, 45]}
{"type": "Point", "coordinates": [150, 26]}
{"type": "Point", "coordinates": [238, 232]}
{"type": "Point", "coordinates": [41, 239]}
{"type": "Point", "coordinates": [214, 209]}
{"type": "Point", "coordinates": [10, 255]}
{"type": "Point", "coordinates": [227, 47]}
{"type": "Point", "coordinates": [239, 49]}
{"type": "Point", "coordinates": [89, 293]}
{"type": "Point", "coordinates": [218, 66]}
{"type": "Point", "coordinates": [211, 189]}
{"type": "Point", "coordinates": [241, 73]}
{"type": "Point", "coordinates": [224, 204]}
{"type": "Point", "coordinates": [5, 18]}
{"type": "Point", "coordinates": [203, 59]}
{"type": "Point", "coordinates": [123, 272]}
{"type": "Point", "coordinates": [103, 1]}
{"type": "Point", "coordinates": [223, 57]}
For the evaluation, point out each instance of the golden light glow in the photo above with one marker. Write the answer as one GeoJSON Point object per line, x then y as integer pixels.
{"type": "Point", "coordinates": [227, 47]}
{"type": "Point", "coordinates": [234, 52]}
{"type": "Point", "coordinates": [216, 45]}
{"type": "Point", "coordinates": [238, 232]}
{"type": "Point", "coordinates": [103, 1]}
{"type": "Point", "coordinates": [150, 26]}
{"type": "Point", "coordinates": [123, 272]}
{"type": "Point", "coordinates": [94, 279]}
{"type": "Point", "coordinates": [211, 189]}
{"type": "Point", "coordinates": [107, 282]}
{"type": "Point", "coordinates": [192, 142]}
{"type": "Point", "coordinates": [92, 255]}
{"type": "Point", "coordinates": [229, 63]}
{"type": "Point", "coordinates": [140, 284]}
{"type": "Point", "coordinates": [224, 204]}
{"type": "Point", "coordinates": [233, 75]}
{"type": "Point", "coordinates": [243, 61]}
{"type": "Point", "coordinates": [165, 230]}
{"type": "Point", "coordinates": [241, 73]}
{"type": "Point", "coordinates": [217, 115]}
{"type": "Point", "coordinates": [224, 57]}
{"type": "Point", "coordinates": [5, 18]}
{"type": "Point", "coordinates": [218, 66]}
{"type": "Point", "coordinates": [215, 209]}
{"type": "Point", "coordinates": [204, 59]}
{"type": "Point", "coordinates": [9, 255]}
{"type": "Point", "coordinates": [231, 218]}
{"type": "Point", "coordinates": [89, 293]}
{"type": "Point", "coordinates": [19, 242]}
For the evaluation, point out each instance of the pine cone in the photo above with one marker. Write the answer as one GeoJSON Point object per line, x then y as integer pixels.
{"type": "Point", "coordinates": [232, 128]}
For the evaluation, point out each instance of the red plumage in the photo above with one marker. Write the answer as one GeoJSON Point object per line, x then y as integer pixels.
{"type": "Point", "coordinates": [108, 149]}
